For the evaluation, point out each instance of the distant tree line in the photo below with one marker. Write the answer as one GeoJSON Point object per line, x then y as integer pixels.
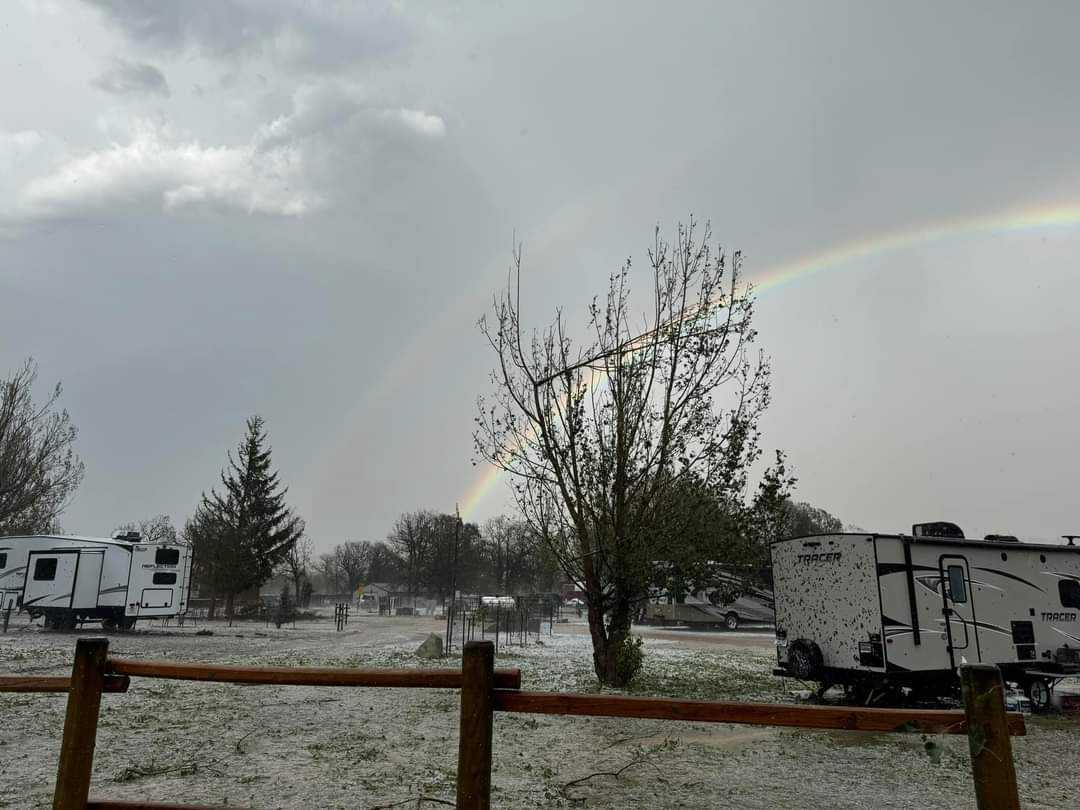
{"type": "Point", "coordinates": [599, 508]}
{"type": "Point", "coordinates": [434, 554]}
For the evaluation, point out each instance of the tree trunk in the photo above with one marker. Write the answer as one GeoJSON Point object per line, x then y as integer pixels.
{"type": "Point", "coordinates": [229, 608]}
{"type": "Point", "coordinates": [609, 640]}
{"type": "Point", "coordinates": [212, 610]}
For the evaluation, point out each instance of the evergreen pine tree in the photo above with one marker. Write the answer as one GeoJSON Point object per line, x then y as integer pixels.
{"type": "Point", "coordinates": [243, 533]}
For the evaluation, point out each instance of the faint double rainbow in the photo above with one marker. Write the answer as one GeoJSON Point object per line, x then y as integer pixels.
{"type": "Point", "coordinates": [846, 253]}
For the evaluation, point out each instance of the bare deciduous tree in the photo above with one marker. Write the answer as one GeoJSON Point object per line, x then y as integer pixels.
{"type": "Point", "coordinates": [158, 529]}
{"type": "Point", "coordinates": [412, 538]}
{"type": "Point", "coordinates": [509, 547]}
{"type": "Point", "coordinates": [297, 562]}
{"type": "Point", "coordinates": [594, 436]}
{"type": "Point", "coordinates": [39, 471]}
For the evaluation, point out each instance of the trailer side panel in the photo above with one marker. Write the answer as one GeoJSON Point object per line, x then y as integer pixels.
{"type": "Point", "coordinates": [826, 593]}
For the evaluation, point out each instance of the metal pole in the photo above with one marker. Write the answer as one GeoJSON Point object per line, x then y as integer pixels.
{"type": "Point", "coordinates": [988, 736]}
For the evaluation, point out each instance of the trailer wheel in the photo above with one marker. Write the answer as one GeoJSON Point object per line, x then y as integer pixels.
{"type": "Point", "coordinates": [731, 621]}
{"type": "Point", "coordinates": [804, 660]}
{"type": "Point", "coordinates": [1038, 692]}
{"type": "Point", "coordinates": [127, 623]}
{"type": "Point", "coordinates": [62, 622]}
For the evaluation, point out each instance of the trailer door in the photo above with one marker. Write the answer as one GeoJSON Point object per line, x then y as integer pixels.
{"type": "Point", "coordinates": [50, 579]}
{"type": "Point", "coordinates": [88, 579]}
{"type": "Point", "coordinates": [958, 610]}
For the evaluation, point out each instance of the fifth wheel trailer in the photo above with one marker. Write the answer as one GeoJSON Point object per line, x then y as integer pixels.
{"type": "Point", "coordinates": [71, 579]}
{"type": "Point", "coordinates": [891, 611]}
{"type": "Point", "coordinates": [731, 605]}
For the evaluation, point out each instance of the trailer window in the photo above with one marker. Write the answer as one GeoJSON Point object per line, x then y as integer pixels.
{"type": "Point", "coordinates": [1069, 591]}
{"type": "Point", "coordinates": [167, 556]}
{"type": "Point", "coordinates": [162, 578]}
{"type": "Point", "coordinates": [957, 585]}
{"type": "Point", "coordinates": [3, 560]}
{"type": "Point", "coordinates": [45, 570]}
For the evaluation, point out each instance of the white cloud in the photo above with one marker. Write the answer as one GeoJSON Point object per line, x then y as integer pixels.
{"type": "Point", "coordinates": [154, 165]}
{"type": "Point", "coordinates": [289, 167]}
{"type": "Point", "coordinates": [419, 121]}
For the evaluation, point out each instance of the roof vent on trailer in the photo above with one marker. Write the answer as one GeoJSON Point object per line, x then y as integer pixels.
{"type": "Point", "coordinates": [131, 537]}
{"type": "Point", "coordinates": [1002, 538]}
{"type": "Point", "coordinates": [939, 529]}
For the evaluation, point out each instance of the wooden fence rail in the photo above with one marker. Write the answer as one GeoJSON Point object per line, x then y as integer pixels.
{"type": "Point", "coordinates": [840, 718]}
{"type": "Point", "coordinates": [485, 691]}
{"type": "Point", "coordinates": [306, 676]}
{"type": "Point", "coordinates": [112, 683]}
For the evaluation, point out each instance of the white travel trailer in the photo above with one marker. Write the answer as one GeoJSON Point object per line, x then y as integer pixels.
{"type": "Point", "coordinates": [874, 610]}
{"type": "Point", "coordinates": [73, 579]}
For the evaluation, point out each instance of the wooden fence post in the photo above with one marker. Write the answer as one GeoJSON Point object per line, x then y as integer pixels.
{"type": "Point", "coordinates": [80, 724]}
{"type": "Point", "coordinates": [474, 740]}
{"type": "Point", "coordinates": [988, 735]}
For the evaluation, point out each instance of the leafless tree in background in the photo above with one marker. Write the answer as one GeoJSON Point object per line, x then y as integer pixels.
{"type": "Point", "coordinates": [412, 538]}
{"type": "Point", "coordinates": [594, 436]}
{"type": "Point", "coordinates": [158, 529]}
{"type": "Point", "coordinates": [297, 563]}
{"type": "Point", "coordinates": [39, 471]}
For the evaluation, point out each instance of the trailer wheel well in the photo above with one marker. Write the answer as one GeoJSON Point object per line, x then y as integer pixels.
{"type": "Point", "coordinates": [805, 659]}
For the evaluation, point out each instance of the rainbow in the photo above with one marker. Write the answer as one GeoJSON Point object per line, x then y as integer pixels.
{"type": "Point", "coordinates": [846, 253]}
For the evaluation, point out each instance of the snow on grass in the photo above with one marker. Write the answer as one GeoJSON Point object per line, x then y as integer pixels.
{"type": "Point", "coordinates": [253, 746]}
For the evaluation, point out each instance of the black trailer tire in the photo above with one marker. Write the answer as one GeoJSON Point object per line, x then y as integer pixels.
{"type": "Point", "coordinates": [1038, 692]}
{"type": "Point", "coordinates": [127, 623]}
{"type": "Point", "coordinates": [804, 660]}
{"type": "Point", "coordinates": [731, 621]}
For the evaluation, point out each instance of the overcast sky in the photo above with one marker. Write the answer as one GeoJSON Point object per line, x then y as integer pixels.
{"type": "Point", "coordinates": [211, 209]}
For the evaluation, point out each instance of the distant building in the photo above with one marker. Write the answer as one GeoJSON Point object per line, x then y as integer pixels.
{"type": "Point", "coordinates": [380, 597]}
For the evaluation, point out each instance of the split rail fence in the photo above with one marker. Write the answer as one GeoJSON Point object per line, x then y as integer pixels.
{"type": "Point", "coordinates": [486, 690]}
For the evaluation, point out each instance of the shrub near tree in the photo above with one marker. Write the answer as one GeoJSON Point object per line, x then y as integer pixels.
{"type": "Point", "coordinates": [595, 435]}
{"type": "Point", "coordinates": [286, 607]}
{"type": "Point", "coordinates": [241, 535]}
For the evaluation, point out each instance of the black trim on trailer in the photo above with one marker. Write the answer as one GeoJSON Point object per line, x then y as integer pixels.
{"type": "Point", "coordinates": [880, 606]}
{"type": "Point", "coordinates": [946, 612]}
{"type": "Point", "coordinates": [75, 581]}
{"type": "Point", "coordinates": [884, 569]}
{"type": "Point", "coordinates": [1010, 576]}
{"type": "Point", "coordinates": [910, 575]}
{"type": "Point", "coordinates": [945, 541]}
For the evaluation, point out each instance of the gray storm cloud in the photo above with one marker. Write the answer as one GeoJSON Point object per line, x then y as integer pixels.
{"type": "Point", "coordinates": [132, 78]}
{"type": "Point", "coordinates": [319, 36]}
{"type": "Point", "coordinates": [309, 224]}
